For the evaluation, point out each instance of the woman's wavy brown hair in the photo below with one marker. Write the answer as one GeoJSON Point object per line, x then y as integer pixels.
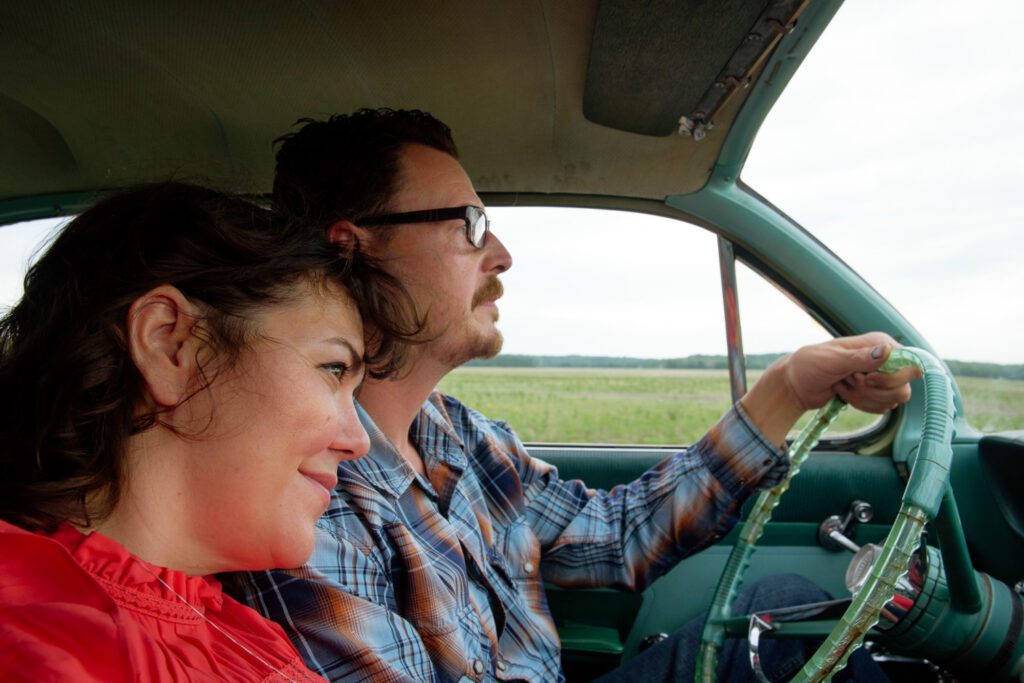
{"type": "Point", "coordinates": [70, 395]}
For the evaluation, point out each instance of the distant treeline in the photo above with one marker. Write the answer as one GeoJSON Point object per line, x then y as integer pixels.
{"type": "Point", "coordinates": [708, 362]}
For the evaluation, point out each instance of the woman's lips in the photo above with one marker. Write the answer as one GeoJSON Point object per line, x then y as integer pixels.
{"type": "Point", "coordinates": [323, 481]}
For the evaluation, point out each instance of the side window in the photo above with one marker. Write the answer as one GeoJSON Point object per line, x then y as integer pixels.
{"type": "Point", "coordinates": [772, 320]}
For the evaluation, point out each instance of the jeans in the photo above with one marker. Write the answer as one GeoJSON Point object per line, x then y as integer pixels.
{"type": "Point", "coordinates": [674, 659]}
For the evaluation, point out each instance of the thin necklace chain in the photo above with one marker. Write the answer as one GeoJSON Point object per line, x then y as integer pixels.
{"type": "Point", "coordinates": [227, 635]}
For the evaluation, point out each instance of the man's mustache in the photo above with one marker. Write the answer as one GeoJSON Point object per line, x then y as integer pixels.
{"type": "Point", "coordinates": [489, 292]}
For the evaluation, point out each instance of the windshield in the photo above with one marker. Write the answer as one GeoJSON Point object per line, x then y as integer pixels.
{"type": "Point", "coordinates": [906, 161]}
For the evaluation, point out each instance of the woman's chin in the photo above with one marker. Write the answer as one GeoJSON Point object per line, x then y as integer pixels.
{"type": "Point", "coordinates": [295, 552]}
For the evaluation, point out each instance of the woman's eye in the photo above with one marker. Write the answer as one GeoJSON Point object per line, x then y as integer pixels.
{"type": "Point", "coordinates": [336, 369]}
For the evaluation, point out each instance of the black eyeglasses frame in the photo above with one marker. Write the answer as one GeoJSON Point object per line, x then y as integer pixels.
{"type": "Point", "coordinates": [469, 214]}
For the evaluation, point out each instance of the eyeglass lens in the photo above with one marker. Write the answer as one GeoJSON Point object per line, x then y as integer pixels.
{"type": "Point", "coordinates": [477, 228]}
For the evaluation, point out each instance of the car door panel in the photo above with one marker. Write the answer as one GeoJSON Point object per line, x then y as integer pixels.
{"type": "Point", "coordinates": [829, 482]}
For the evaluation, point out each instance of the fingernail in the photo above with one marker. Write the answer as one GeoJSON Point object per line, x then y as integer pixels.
{"type": "Point", "coordinates": [878, 351]}
{"type": "Point", "coordinates": [871, 381]}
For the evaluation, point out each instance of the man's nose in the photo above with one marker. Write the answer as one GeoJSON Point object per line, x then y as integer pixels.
{"type": "Point", "coordinates": [498, 257]}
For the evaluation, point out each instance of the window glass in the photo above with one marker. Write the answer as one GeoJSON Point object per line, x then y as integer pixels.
{"type": "Point", "coordinates": [771, 321]}
{"type": "Point", "coordinates": [19, 244]}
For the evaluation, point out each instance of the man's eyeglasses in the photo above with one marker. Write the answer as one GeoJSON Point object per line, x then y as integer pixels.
{"type": "Point", "coordinates": [477, 223]}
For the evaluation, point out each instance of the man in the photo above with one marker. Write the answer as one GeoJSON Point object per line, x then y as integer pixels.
{"type": "Point", "coordinates": [430, 562]}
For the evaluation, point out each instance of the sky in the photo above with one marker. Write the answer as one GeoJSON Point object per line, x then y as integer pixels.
{"type": "Point", "coordinates": [898, 144]}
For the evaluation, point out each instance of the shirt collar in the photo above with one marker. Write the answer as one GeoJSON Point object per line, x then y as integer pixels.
{"type": "Point", "coordinates": [437, 436]}
{"type": "Point", "coordinates": [383, 467]}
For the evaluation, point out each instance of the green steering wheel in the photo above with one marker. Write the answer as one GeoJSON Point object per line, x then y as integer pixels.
{"type": "Point", "coordinates": [922, 497]}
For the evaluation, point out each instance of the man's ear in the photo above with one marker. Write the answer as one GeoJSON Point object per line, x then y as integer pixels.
{"type": "Point", "coordinates": [162, 343]}
{"type": "Point", "coordinates": [347, 234]}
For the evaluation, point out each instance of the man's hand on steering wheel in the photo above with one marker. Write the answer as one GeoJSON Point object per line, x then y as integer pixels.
{"type": "Point", "coordinates": [807, 379]}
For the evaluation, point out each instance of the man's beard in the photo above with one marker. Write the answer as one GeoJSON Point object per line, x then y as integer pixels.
{"type": "Point", "coordinates": [479, 345]}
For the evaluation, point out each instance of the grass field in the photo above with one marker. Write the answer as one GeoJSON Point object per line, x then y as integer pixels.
{"type": "Point", "coordinates": [597, 405]}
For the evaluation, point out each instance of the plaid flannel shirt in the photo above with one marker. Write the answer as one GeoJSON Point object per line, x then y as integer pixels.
{"type": "Point", "coordinates": [441, 578]}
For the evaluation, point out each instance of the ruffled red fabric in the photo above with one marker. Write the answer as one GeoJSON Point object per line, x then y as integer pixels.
{"type": "Point", "coordinates": [81, 607]}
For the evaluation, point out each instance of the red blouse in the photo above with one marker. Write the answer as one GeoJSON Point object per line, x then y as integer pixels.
{"type": "Point", "coordinates": [81, 607]}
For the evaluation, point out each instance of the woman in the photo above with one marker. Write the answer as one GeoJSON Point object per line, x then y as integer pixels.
{"type": "Point", "coordinates": [176, 393]}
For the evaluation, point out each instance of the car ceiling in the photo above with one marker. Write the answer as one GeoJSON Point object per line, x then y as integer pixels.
{"type": "Point", "coordinates": [549, 96]}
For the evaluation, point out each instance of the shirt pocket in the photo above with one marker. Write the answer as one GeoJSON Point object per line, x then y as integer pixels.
{"type": "Point", "coordinates": [521, 549]}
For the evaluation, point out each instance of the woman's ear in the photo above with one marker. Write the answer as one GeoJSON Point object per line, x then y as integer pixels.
{"type": "Point", "coordinates": [162, 343]}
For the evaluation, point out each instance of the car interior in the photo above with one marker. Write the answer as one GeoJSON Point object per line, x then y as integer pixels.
{"type": "Point", "coordinates": [592, 104]}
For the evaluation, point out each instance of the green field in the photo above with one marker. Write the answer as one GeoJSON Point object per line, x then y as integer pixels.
{"type": "Point", "coordinates": [598, 405]}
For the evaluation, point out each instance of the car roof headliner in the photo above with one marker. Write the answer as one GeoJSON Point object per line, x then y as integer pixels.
{"type": "Point", "coordinates": [95, 97]}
